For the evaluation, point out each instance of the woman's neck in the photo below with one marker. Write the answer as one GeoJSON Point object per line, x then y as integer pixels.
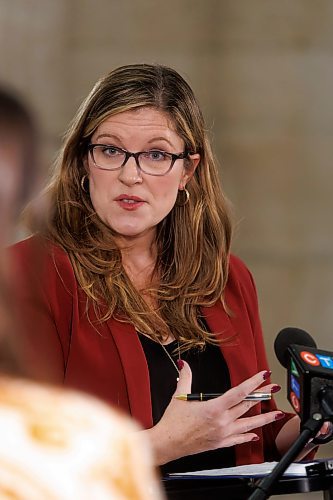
{"type": "Point", "coordinates": [139, 260]}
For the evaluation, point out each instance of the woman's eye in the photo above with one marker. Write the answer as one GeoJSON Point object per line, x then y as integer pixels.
{"type": "Point", "coordinates": [110, 151]}
{"type": "Point", "coordinates": [157, 155]}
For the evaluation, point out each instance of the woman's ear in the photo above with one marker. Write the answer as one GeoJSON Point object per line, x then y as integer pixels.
{"type": "Point", "coordinates": [192, 163]}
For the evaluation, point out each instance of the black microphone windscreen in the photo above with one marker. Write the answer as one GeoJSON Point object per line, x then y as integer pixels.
{"type": "Point", "coordinates": [288, 336]}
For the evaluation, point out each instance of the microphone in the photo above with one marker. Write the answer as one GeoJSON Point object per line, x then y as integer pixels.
{"type": "Point", "coordinates": [310, 392]}
{"type": "Point", "coordinates": [310, 373]}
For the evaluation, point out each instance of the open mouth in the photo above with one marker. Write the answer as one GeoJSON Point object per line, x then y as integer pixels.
{"type": "Point", "coordinates": [129, 202]}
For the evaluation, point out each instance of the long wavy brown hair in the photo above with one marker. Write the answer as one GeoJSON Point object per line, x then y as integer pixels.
{"type": "Point", "coordinates": [193, 240]}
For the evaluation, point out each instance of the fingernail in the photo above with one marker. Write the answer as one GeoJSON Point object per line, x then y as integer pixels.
{"type": "Point", "coordinates": [255, 438]}
{"type": "Point", "coordinates": [276, 388]}
{"type": "Point", "coordinates": [280, 415]}
{"type": "Point", "coordinates": [267, 374]}
{"type": "Point", "coordinates": [180, 364]}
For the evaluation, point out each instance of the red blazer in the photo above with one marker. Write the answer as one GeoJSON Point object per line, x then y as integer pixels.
{"type": "Point", "coordinates": [61, 343]}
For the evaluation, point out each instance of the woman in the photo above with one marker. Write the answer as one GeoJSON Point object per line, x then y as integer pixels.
{"type": "Point", "coordinates": [55, 443]}
{"type": "Point", "coordinates": [136, 286]}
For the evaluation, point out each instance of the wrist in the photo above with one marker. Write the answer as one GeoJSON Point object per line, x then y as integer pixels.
{"type": "Point", "coordinates": [160, 448]}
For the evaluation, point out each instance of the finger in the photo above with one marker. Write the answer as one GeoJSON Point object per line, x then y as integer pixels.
{"type": "Point", "coordinates": [243, 407]}
{"type": "Point", "coordinates": [184, 385]}
{"type": "Point", "coordinates": [244, 425]}
{"type": "Point", "coordinates": [270, 388]}
{"type": "Point", "coordinates": [238, 439]}
{"type": "Point", "coordinates": [325, 430]}
{"type": "Point", "coordinates": [238, 410]}
{"type": "Point", "coordinates": [238, 393]}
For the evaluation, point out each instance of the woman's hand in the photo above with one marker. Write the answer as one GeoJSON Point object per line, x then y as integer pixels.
{"type": "Point", "coordinates": [192, 427]}
{"type": "Point", "coordinates": [289, 433]}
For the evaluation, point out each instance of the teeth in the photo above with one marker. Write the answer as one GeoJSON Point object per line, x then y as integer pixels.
{"type": "Point", "coordinates": [128, 201]}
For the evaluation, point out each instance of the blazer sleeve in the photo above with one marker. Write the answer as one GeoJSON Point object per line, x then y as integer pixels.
{"type": "Point", "coordinates": [44, 303]}
{"type": "Point", "coordinates": [249, 293]}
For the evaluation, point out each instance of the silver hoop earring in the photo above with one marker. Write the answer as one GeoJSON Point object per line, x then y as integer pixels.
{"type": "Point", "coordinates": [187, 197]}
{"type": "Point", "coordinates": [83, 183]}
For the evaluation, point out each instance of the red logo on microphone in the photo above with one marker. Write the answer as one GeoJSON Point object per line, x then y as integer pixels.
{"type": "Point", "coordinates": [295, 401]}
{"type": "Point", "coordinates": [310, 358]}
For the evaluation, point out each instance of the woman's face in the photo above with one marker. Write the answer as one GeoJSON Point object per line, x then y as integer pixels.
{"type": "Point", "coordinates": [132, 203]}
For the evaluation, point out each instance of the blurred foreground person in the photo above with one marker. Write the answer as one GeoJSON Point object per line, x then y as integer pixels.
{"type": "Point", "coordinates": [61, 445]}
{"type": "Point", "coordinates": [55, 444]}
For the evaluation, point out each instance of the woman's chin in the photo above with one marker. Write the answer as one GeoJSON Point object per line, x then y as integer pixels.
{"type": "Point", "coordinates": [131, 231]}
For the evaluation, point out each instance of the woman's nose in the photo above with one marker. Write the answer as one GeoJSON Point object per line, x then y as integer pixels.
{"type": "Point", "coordinates": [130, 173]}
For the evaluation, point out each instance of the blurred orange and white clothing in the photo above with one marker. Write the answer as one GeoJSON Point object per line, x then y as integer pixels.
{"type": "Point", "coordinates": [62, 445]}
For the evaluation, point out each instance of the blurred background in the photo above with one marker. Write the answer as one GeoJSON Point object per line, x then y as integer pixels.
{"type": "Point", "coordinates": [263, 72]}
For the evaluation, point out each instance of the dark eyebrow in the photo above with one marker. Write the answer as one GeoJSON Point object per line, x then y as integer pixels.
{"type": "Point", "coordinates": [114, 136]}
{"type": "Point", "coordinates": [111, 136]}
{"type": "Point", "coordinates": [160, 139]}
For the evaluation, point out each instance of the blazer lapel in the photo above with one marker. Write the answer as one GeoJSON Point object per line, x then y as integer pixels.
{"type": "Point", "coordinates": [226, 329]}
{"type": "Point", "coordinates": [135, 370]}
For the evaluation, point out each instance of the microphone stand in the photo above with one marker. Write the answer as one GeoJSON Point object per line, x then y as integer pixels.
{"type": "Point", "coordinates": [309, 430]}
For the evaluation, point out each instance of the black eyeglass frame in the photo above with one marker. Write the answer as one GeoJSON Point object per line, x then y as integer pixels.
{"type": "Point", "coordinates": [128, 154]}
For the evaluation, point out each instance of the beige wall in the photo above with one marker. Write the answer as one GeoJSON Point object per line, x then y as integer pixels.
{"type": "Point", "coordinates": [263, 70]}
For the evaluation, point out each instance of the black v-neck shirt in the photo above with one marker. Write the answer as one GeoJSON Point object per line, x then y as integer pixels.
{"type": "Point", "coordinates": [209, 374]}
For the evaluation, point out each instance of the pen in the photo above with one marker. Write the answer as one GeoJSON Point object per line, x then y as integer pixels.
{"type": "Point", "coordinates": [253, 396]}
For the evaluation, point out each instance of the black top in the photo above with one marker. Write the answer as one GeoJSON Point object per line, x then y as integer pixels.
{"type": "Point", "coordinates": [210, 374]}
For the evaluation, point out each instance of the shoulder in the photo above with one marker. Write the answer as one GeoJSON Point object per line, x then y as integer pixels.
{"type": "Point", "coordinates": [240, 274]}
{"type": "Point", "coordinates": [39, 260]}
{"type": "Point", "coordinates": [241, 288]}
{"type": "Point", "coordinates": [38, 246]}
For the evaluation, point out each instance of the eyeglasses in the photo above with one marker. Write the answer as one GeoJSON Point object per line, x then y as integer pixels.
{"type": "Point", "coordinates": [153, 162]}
